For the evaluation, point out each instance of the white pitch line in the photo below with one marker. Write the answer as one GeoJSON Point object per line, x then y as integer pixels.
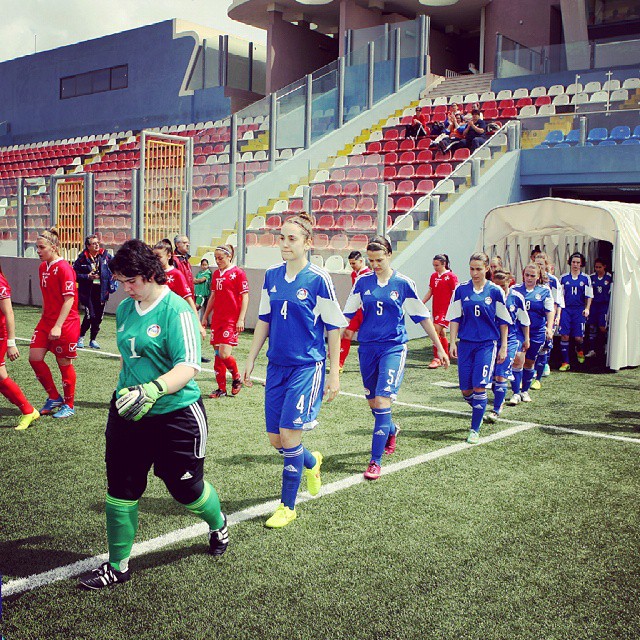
{"type": "Point", "coordinates": [592, 434]}
{"type": "Point", "coordinates": [22, 585]}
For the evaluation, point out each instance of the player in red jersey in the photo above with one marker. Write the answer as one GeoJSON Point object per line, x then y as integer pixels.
{"type": "Point", "coordinates": [441, 286]}
{"type": "Point", "coordinates": [229, 300]}
{"type": "Point", "coordinates": [59, 326]}
{"type": "Point", "coordinates": [358, 266]}
{"type": "Point", "coordinates": [9, 389]}
{"type": "Point", "coordinates": [175, 278]}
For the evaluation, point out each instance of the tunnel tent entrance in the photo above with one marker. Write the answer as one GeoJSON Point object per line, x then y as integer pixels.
{"type": "Point", "coordinates": [561, 226]}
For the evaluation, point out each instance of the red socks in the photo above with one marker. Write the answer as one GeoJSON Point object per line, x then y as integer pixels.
{"type": "Point", "coordinates": [44, 377]}
{"type": "Point", "coordinates": [231, 364]}
{"type": "Point", "coordinates": [445, 344]}
{"type": "Point", "coordinates": [221, 373]}
{"type": "Point", "coordinates": [68, 383]}
{"type": "Point", "coordinates": [12, 392]}
{"type": "Point", "coordinates": [345, 346]}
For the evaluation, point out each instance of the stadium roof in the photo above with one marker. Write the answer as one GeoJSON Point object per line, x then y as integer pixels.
{"type": "Point", "coordinates": [464, 14]}
{"type": "Point", "coordinates": [559, 221]}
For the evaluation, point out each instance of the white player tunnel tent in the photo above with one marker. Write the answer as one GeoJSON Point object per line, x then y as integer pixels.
{"type": "Point", "coordinates": [562, 226]}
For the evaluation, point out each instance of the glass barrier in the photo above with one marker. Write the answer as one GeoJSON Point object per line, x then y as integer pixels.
{"type": "Point", "coordinates": [36, 212]}
{"type": "Point", "coordinates": [383, 67]}
{"type": "Point", "coordinates": [8, 210]}
{"type": "Point", "coordinates": [324, 92]}
{"type": "Point", "coordinates": [514, 59]}
{"type": "Point", "coordinates": [291, 116]}
{"type": "Point", "coordinates": [409, 51]}
{"type": "Point", "coordinates": [113, 207]}
{"type": "Point", "coordinates": [356, 82]}
{"type": "Point", "coordinates": [253, 142]}
{"type": "Point", "coordinates": [604, 128]}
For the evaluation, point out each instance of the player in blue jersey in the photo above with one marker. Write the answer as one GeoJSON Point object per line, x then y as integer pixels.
{"type": "Point", "coordinates": [384, 295]}
{"type": "Point", "coordinates": [298, 303]}
{"type": "Point", "coordinates": [542, 361]}
{"type": "Point", "coordinates": [601, 281]}
{"type": "Point", "coordinates": [156, 417]}
{"type": "Point", "coordinates": [480, 319]}
{"type": "Point", "coordinates": [578, 295]}
{"type": "Point", "coordinates": [518, 341]}
{"type": "Point", "coordinates": [539, 305]}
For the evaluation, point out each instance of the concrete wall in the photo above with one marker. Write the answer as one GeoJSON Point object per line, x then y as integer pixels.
{"type": "Point", "coordinates": [293, 51]}
{"type": "Point", "coordinates": [30, 88]}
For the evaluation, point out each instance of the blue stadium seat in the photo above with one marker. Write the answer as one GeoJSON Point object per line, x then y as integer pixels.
{"type": "Point", "coordinates": [554, 137]}
{"type": "Point", "coordinates": [573, 137]}
{"type": "Point", "coordinates": [636, 133]}
{"type": "Point", "coordinates": [631, 141]}
{"type": "Point", "coordinates": [620, 133]}
{"type": "Point", "coordinates": [598, 134]}
{"type": "Point", "coordinates": [562, 145]}
{"type": "Point", "coordinates": [607, 143]}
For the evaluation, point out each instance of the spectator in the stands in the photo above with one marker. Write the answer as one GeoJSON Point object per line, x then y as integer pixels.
{"type": "Point", "coordinates": [472, 70]}
{"type": "Point", "coordinates": [418, 127]}
{"type": "Point", "coordinates": [475, 133]}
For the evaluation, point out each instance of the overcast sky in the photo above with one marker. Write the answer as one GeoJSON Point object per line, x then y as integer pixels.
{"type": "Point", "coordinates": [55, 23]}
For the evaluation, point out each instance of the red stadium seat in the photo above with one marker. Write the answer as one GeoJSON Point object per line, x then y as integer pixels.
{"type": "Point", "coordinates": [371, 173]}
{"type": "Point", "coordinates": [509, 112]}
{"type": "Point", "coordinates": [423, 187]}
{"type": "Point", "coordinates": [423, 143]}
{"type": "Point", "coordinates": [406, 171]}
{"type": "Point", "coordinates": [443, 170]}
{"type": "Point", "coordinates": [374, 147]}
{"type": "Point", "coordinates": [344, 222]}
{"type": "Point", "coordinates": [325, 222]}
{"type": "Point", "coordinates": [320, 241]}
{"type": "Point", "coordinates": [407, 145]}
{"type": "Point", "coordinates": [337, 175]}
{"type": "Point", "coordinates": [330, 205]}
{"type": "Point", "coordinates": [354, 174]}
{"type": "Point", "coordinates": [424, 156]}
{"type": "Point", "coordinates": [364, 223]}
{"type": "Point", "coordinates": [365, 204]}
{"type": "Point", "coordinates": [424, 171]}
{"type": "Point", "coordinates": [390, 146]}
{"type": "Point", "coordinates": [407, 157]}
{"type": "Point", "coordinates": [505, 104]}
{"type": "Point", "coordinates": [391, 134]}
{"type": "Point", "coordinates": [348, 205]}
{"type": "Point", "coordinates": [403, 204]}
{"type": "Point", "coordinates": [318, 190]}
{"type": "Point", "coordinates": [391, 187]}
{"type": "Point", "coordinates": [491, 114]}
{"type": "Point", "coordinates": [351, 189]}
{"type": "Point", "coordinates": [359, 242]}
{"type": "Point", "coordinates": [334, 189]}
{"type": "Point", "coordinates": [542, 100]}
{"type": "Point", "coordinates": [442, 157]}
{"type": "Point", "coordinates": [266, 239]}
{"type": "Point", "coordinates": [461, 155]}
{"type": "Point", "coordinates": [523, 102]}
{"type": "Point", "coordinates": [405, 187]}
{"type": "Point", "coordinates": [391, 158]}
{"type": "Point", "coordinates": [273, 222]}
{"type": "Point", "coordinates": [356, 161]}
{"type": "Point", "coordinates": [369, 189]}
{"type": "Point", "coordinates": [373, 159]}
{"type": "Point", "coordinates": [389, 173]}
{"type": "Point", "coordinates": [339, 242]}
{"type": "Point", "coordinates": [251, 239]}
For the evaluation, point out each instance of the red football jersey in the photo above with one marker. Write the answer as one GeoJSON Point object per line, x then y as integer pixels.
{"type": "Point", "coordinates": [177, 283]}
{"type": "Point", "coordinates": [228, 287]}
{"type": "Point", "coordinates": [57, 281]}
{"type": "Point", "coordinates": [5, 292]}
{"type": "Point", "coordinates": [355, 275]}
{"type": "Point", "coordinates": [442, 287]}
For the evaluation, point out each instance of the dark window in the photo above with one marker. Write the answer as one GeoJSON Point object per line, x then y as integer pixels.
{"type": "Point", "coordinates": [120, 77]}
{"type": "Point", "coordinates": [84, 84]}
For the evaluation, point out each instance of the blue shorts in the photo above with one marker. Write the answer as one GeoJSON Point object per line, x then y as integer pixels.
{"type": "Point", "coordinates": [503, 369]}
{"type": "Point", "coordinates": [293, 396]}
{"type": "Point", "coordinates": [535, 346]}
{"type": "Point", "coordinates": [598, 315]}
{"type": "Point", "coordinates": [475, 363]}
{"type": "Point", "coordinates": [572, 322]}
{"type": "Point", "coordinates": [382, 369]}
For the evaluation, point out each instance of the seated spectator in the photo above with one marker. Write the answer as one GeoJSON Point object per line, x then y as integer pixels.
{"type": "Point", "coordinates": [472, 69]}
{"type": "Point", "coordinates": [418, 127]}
{"type": "Point", "coordinates": [475, 134]}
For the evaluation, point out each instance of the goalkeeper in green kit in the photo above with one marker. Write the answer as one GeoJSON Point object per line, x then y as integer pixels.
{"type": "Point", "coordinates": [156, 417]}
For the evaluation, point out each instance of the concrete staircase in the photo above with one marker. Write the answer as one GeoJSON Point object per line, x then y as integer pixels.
{"type": "Point", "coordinates": [478, 83]}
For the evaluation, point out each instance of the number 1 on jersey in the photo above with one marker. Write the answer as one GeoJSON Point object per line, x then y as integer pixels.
{"type": "Point", "coordinates": [132, 343]}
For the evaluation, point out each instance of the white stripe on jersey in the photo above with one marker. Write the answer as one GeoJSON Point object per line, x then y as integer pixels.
{"type": "Point", "coordinates": [455, 308]}
{"type": "Point", "coordinates": [503, 313]}
{"type": "Point", "coordinates": [329, 311]}
{"type": "Point", "coordinates": [588, 290]}
{"type": "Point", "coordinates": [354, 302]}
{"type": "Point", "coordinates": [265, 303]}
{"type": "Point", "coordinates": [326, 277]}
{"type": "Point", "coordinates": [415, 307]}
{"type": "Point", "coordinates": [189, 337]}
{"type": "Point", "coordinates": [403, 359]}
{"type": "Point", "coordinates": [196, 409]}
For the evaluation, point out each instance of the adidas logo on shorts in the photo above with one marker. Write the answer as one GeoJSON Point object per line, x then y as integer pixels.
{"type": "Point", "coordinates": [187, 476]}
{"type": "Point", "coordinates": [379, 432]}
{"type": "Point", "coordinates": [298, 421]}
{"type": "Point", "coordinates": [387, 388]}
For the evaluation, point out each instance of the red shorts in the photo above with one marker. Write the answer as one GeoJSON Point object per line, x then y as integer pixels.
{"type": "Point", "coordinates": [356, 321]}
{"type": "Point", "coordinates": [64, 347]}
{"type": "Point", "coordinates": [3, 350]}
{"type": "Point", "coordinates": [225, 334]}
{"type": "Point", "coordinates": [440, 318]}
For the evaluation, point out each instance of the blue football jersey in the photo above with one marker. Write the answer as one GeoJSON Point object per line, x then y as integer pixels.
{"type": "Point", "coordinates": [576, 290]}
{"type": "Point", "coordinates": [538, 302]}
{"type": "Point", "coordinates": [601, 288]}
{"type": "Point", "coordinates": [384, 306]}
{"type": "Point", "coordinates": [298, 311]}
{"type": "Point", "coordinates": [479, 313]}
{"type": "Point", "coordinates": [556, 290]}
{"type": "Point", "coordinates": [517, 309]}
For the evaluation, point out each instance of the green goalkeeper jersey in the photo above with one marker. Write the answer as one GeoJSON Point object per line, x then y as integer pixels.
{"type": "Point", "coordinates": [153, 341]}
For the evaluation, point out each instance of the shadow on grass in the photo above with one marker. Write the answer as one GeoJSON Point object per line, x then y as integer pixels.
{"type": "Point", "coordinates": [26, 556]}
{"type": "Point", "coordinates": [243, 459]}
{"type": "Point", "coordinates": [612, 428]}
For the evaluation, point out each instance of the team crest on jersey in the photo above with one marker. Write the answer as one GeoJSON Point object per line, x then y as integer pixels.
{"type": "Point", "coordinates": [73, 346]}
{"type": "Point", "coordinates": [153, 330]}
{"type": "Point", "coordinates": [302, 294]}
{"type": "Point", "coordinates": [394, 295]}
{"type": "Point", "coordinates": [367, 392]}
{"type": "Point", "coordinates": [606, 282]}
{"type": "Point", "coordinates": [487, 300]}
{"type": "Point", "coordinates": [58, 349]}
{"type": "Point", "coordinates": [512, 307]}
{"type": "Point", "coordinates": [232, 275]}
{"type": "Point", "coordinates": [538, 296]}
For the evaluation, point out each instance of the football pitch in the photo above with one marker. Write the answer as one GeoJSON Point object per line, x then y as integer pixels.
{"type": "Point", "coordinates": [533, 533]}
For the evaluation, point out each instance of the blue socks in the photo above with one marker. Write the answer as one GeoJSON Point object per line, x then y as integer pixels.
{"type": "Point", "coordinates": [381, 430]}
{"type": "Point", "coordinates": [291, 475]}
{"type": "Point", "coordinates": [309, 459]}
{"type": "Point", "coordinates": [564, 348]}
{"type": "Point", "coordinates": [499, 394]}
{"type": "Point", "coordinates": [468, 399]}
{"type": "Point", "coordinates": [541, 361]}
{"type": "Point", "coordinates": [527, 379]}
{"type": "Point", "coordinates": [479, 407]}
{"type": "Point", "coordinates": [516, 383]}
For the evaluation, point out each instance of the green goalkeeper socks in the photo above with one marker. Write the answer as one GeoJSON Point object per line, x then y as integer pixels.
{"type": "Point", "coordinates": [207, 507]}
{"type": "Point", "coordinates": [122, 524]}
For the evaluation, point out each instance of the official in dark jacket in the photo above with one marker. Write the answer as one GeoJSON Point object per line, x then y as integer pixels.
{"type": "Point", "coordinates": [95, 283]}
